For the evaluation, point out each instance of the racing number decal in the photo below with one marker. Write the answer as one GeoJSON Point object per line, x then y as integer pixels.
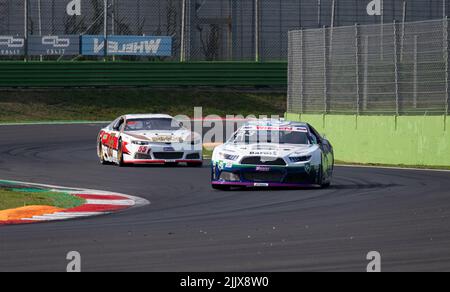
{"type": "Point", "coordinates": [143, 149]}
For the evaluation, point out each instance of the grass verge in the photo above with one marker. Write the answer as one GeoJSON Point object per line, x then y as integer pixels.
{"type": "Point", "coordinates": [10, 199]}
{"type": "Point", "coordinates": [396, 166]}
{"type": "Point", "coordinates": [107, 104]}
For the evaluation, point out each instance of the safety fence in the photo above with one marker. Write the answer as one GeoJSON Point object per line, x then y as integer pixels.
{"type": "Point", "coordinates": [199, 30]}
{"type": "Point", "coordinates": [396, 68]}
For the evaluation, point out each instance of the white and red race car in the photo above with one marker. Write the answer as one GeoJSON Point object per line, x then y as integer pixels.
{"type": "Point", "coordinates": [149, 139]}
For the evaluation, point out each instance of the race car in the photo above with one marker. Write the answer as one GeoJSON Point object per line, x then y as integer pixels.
{"type": "Point", "coordinates": [273, 153]}
{"type": "Point", "coordinates": [149, 139]}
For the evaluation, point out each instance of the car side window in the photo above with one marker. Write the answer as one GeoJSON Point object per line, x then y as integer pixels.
{"type": "Point", "coordinates": [118, 124]}
{"type": "Point", "coordinates": [316, 136]}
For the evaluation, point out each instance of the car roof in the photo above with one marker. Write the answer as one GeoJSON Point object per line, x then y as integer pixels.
{"type": "Point", "coordinates": [275, 123]}
{"type": "Point", "coordinates": [148, 116]}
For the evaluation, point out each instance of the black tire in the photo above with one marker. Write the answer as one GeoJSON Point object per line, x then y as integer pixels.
{"type": "Point", "coordinates": [172, 164]}
{"type": "Point", "coordinates": [195, 164]}
{"type": "Point", "coordinates": [323, 185]}
{"type": "Point", "coordinates": [221, 187]}
{"type": "Point", "coordinates": [100, 153]}
{"type": "Point", "coordinates": [120, 155]}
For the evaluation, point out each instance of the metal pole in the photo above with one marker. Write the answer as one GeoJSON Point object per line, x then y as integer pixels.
{"type": "Point", "coordinates": [446, 60]}
{"type": "Point", "coordinates": [113, 20]}
{"type": "Point", "coordinates": [105, 29]}
{"type": "Point", "coordinates": [382, 31]}
{"type": "Point", "coordinates": [325, 71]}
{"type": "Point", "coordinates": [444, 8]}
{"type": "Point", "coordinates": [291, 81]}
{"type": "Point", "coordinates": [397, 94]}
{"type": "Point", "coordinates": [415, 72]}
{"type": "Point", "coordinates": [302, 68]}
{"type": "Point", "coordinates": [403, 31]}
{"type": "Point", "coordinates": [257, 58]}
{"type": "Point", "coordinates": [358, 93]}
{"type": "Point", "coordinates": [26, 29]}
{"type": "Point", "coordinates": [319, 13]}
{"type": "Point", "coordinates": [366, 73]}
{"type": "Point", "coordinates": [40, 24]}
{"type": "Point", "coordinates": [183, 31]}
{"type": "Point", "coordinates": [333, 15]}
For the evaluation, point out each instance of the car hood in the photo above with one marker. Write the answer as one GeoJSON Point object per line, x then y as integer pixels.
{"type": "Point", "coordinates": [161, 136]}
{"type": "Point", "coordinates": [271, 150]}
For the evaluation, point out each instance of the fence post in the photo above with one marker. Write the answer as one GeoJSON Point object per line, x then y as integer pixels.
{"type": "Point", "coordinates": [183, 32]}
{"type": "Point", "coordinates": [446, 60]}
{"type": "Point", "coordinates": [257, 58]}
{"type": "Point", "coordinates": [397, 95]}
{"type": "Point", "coordinates": [444, 8]}
{"type": "Point", "coordinates": [358, 93]}
{"type": "Point", "coordinates": [302, 69]}
{"type": "Point", "coordinates": [382, 32]}
{"type": "Point", "coordinates": [402, 46]}
{"type": "Point", "coordinates": [366, 73]}
{"type": "Point", "coordinates": [25, 12]}
{"type": "Point", "coordinates": [325, 70]}
{"type": "Point", "coordinates": [105, 29]}
{"type": "Point", "coordinates": [415, 71]}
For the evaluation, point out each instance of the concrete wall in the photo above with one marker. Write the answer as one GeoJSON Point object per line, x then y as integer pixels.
{"type": "Point", "coordinates": [403, 140]}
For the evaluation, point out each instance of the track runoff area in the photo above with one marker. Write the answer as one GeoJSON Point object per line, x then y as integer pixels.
{"type": "Point", "coordinates": [370, 219]}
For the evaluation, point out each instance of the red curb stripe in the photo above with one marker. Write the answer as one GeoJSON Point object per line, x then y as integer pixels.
{"type": "Point", "coordinates": [101, 197]}
{"type": "Point", "coordinates": [13, 222]}
{"type": "Point", "coordinates": [96, 208]}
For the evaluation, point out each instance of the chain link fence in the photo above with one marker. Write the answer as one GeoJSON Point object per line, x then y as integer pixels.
{"type": "Point", "coordinates": [204, 30]}
{"type": "Point", "coordinates": [397, 68]}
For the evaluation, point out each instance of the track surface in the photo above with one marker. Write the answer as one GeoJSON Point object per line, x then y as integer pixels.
{"type": "Point", "coordinates": [405, 215]}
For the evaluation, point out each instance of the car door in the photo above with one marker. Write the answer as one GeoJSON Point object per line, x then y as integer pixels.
{"type": "Point", "coordinates": [114, 136]}
{"type": "Point", "coordinates": [327, 152]}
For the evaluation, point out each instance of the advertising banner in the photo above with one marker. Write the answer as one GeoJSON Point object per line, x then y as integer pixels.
{"type": "Point", "coordinates": [12, 45]}
{"type": "Point", "coordinates": [63, 45]}
{"type": "Point", "coordinates": [92, 45]}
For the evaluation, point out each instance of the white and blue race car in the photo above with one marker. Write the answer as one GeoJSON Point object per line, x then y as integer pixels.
{"type": "Point", "coordinates": [273, 153]}
{"type": "Point", "coordinates": [149, 139]}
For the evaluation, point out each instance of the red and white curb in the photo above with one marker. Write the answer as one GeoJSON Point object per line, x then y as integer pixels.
{"type": "Point", "coordinates": [97, 203]}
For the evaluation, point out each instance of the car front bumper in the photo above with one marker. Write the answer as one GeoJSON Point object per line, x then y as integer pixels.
{"type": "Point", "coordinates": [305, 175]}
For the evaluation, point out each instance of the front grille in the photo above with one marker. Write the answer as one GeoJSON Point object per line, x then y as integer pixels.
{"type": "Point", "coordinates": [193, 156]}
{"type": "Point", "coordinates": [258, 160]}
{"type": "Point", "coordinates": [263, 176]}
{"type": "Point", "coordinates": [142, 156]}
{"type": "Point", "coordinates": [168, 155]}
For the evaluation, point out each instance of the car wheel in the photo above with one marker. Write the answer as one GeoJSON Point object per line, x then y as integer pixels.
{"type": "Point", "coordinates": [323, 185]}
{"type": "Point", "coordinates": [101, 154]}
{"type": "Point", "coordinates": [120, 155]}
{"type": "Point", "coordinates": [195, 164]}
{"type": "Point", "coordinates": [221, 187]}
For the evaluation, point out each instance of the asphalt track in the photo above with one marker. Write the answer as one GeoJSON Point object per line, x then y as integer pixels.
{"type": "Point", "coordinates": [403, 214]}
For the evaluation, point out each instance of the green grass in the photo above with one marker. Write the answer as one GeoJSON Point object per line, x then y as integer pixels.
{"type": "Point", "coordinates": [424, 167]}
{"type": "Point", "coordinates": [108, 104]}
{"type": "Point", "coordinates": [10, 199]}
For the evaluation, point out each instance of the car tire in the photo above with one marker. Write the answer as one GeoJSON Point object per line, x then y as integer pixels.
{"type": "Point", "coordinates": [221, 187]}
{"type": "Point", "coordinates": [323, 185]}
{"type": "Point", "coordinates": [100, 153]}
{"type": "Point", "coordinates": [195, 164]}
{"type": "Point", "coordinates": [120, 155]}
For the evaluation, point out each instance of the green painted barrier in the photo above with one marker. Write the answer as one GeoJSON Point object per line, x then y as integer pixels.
{"type": "Point", "coordinates": [98, 74]}
{"type": "Point", "coordinates": [402, 140]}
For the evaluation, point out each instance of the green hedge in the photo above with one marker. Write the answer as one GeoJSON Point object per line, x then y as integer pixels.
{"type": "Point", "coordinates": [86, 74]}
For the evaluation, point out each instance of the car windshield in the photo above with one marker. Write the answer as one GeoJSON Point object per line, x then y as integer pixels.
{"type": "Point", "coordinates": [156, 124]}
{"type": "Point", "coordinates": [275, 136]}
